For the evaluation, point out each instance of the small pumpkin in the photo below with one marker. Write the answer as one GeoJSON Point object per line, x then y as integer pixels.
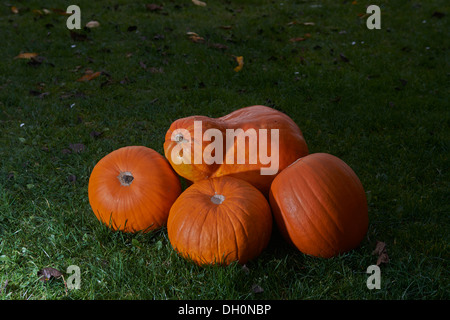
{"type": "Point", "coordinates": [220, 220]}
{"type": "Point", "coordinates": [320, 206]}
{"type": "Point", "coordinates": [132, 189]}
{"type": "Point", "coordinates": [192, 153]}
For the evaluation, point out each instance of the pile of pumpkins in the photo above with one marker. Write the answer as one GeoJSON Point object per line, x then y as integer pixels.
{"type": "Point", "coordinates": [228, 211]}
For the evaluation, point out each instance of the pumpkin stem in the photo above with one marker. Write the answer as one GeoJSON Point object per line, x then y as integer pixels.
{"type": "Point", "coordinates": [179, 137]}
{"type": "Point", "coordinates": [125, 178]}
{"type": "Point", "coordinates": [218, 198]}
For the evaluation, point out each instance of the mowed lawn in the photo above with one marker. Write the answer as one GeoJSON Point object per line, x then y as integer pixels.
{"type": "Point", "coordinates": [377, 99]}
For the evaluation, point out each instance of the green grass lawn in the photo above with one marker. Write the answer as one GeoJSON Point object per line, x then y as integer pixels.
{"type": "Point", "coordinates": [378, 99]}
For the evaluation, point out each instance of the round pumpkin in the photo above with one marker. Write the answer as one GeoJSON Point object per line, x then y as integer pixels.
{"type": "Point", "coordinates": [320, 206]}
{"type": "Point", "coordinates": [220, 220]}
{"type": "Point", "coordinates": [192, 153]}
{"type": "Point", "coordinates": [132, 189]}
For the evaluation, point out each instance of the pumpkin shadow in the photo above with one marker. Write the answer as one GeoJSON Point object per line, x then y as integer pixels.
{"type": "Point", "coordinates": [279, 248]}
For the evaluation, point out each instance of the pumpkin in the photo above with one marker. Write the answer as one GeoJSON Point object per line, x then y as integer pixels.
{"type": "Point", "coordinates": [320, 206]}
{"type": "Point", "coordinates": [220, 220]}
{"type": "Point", "coordinates": [252, 143]}
{"type": "Point", "coordinates": [132, 189]}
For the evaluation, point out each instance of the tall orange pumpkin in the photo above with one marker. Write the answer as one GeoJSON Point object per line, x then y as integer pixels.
{"type": "Point", "coordinates": [132, 189]}
{"type": "Point", "coordinates": [271, 129]}
{"type": "Point", "coordinates": [320, 205]}
{"type": "Point", "coordinates": [220, 220]}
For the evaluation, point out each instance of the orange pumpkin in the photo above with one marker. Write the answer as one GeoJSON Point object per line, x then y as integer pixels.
{"type": "Point", "coordinates": [220, 220]}
{"type": "Point", "coordinates": [242, 144]}
{"type": "Point", "coordinates": [132, 189]}
{"type": "Point", "coordinates": [320, 206]}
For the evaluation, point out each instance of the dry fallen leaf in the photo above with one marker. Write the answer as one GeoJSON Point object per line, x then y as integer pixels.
{"type": "Point", "coordinates": [61, 12]}
{"type": "Point", "coordinates": [297, 39]}
{"type": "Point", "coordinates": [153, 7]}
{"type": "Point", "coordinates": [95, 134]}
{"type": "Point", "coordinates": [143, 65]}
{"type": "Point", "coordinates": [46, 274]}
{"type": "Point", "coordinates": [88, 76]}
{"type": "Point", "coordinates": [156, 70]}
{"type": "Point", "coordinates": [194, 37]}
{"type": "Point", "coordinates": [93, 24]}
{"type": "Point", "coordinates": [240, 61]}
{"type": "Point", "coordinates": [26, 55]}
{"type": "Point", "coordinates": [77, 147]}
{"type": "Point", "coordinates": [199, 3]}
{"type": "Point", "coordinates": [380, 250]}
{"type": "Point", "coordinates": [218, 46]}
{"type": "Point", "coordinates": [257, 289]}
{"type": "Point", "coordinates": [72, 178]}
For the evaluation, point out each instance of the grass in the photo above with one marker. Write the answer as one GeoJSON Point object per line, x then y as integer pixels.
{"type": "Point", "coordinates": [378, 99]}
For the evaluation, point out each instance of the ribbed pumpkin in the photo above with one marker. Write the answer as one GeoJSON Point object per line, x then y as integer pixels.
{"type": "Point", "coordinates": [132, 189]}
{"type": "Point", "coordinates": [291, 145]}
{"type": "Point", "coordinates": [220, 220]}
{"type": "Point", "coordinates": [320, 205]}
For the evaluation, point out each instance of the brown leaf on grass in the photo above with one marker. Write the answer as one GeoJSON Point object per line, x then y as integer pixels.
{"type": "Point", "coordinates": [257, 289]}
{"type": "Point", "coordinates": [362, 15]}
{"type": "Point", "coordinates": [218, 46]}
{"type": "Point", "coordinates": [153, 7]}
{"type": "Point", "coordinates": [240, 61]}
{"type": "Point", "coordinates": [143, 65]}
{"type": "Point", "coordinates": [61, 12]}
{"type": "Point", "coordinates": [77, 147]}
{"type": "Point", "coordinates": [88, 76]}
{"type": "Point", "coordinates": [93, 24]}
{"type": "Point", "coordinates": [297, 39]}
{"type": "Point", "coordinates": [303, 23]}
{"type": "Point", "coordinates": [194, 37]}
{"type": "Point", "coordinates": [26, 55]}
{"type": "Point", "coordinates": [95, 134]}
{"type": "Point", "coordinates": [380, 250]}
{"type": "Point", "coordinates": [199, 3]}
{"type": "Point", "coordinates": [156, 70]}
{"type": "Point", "coordinates": [72, 178]}
{"type": "Point", "coordinates": [383, 258]}
{"type": "Point", "coordinates": [197, 39]}
{"type": "Point", "coordinates": [46, 274]}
